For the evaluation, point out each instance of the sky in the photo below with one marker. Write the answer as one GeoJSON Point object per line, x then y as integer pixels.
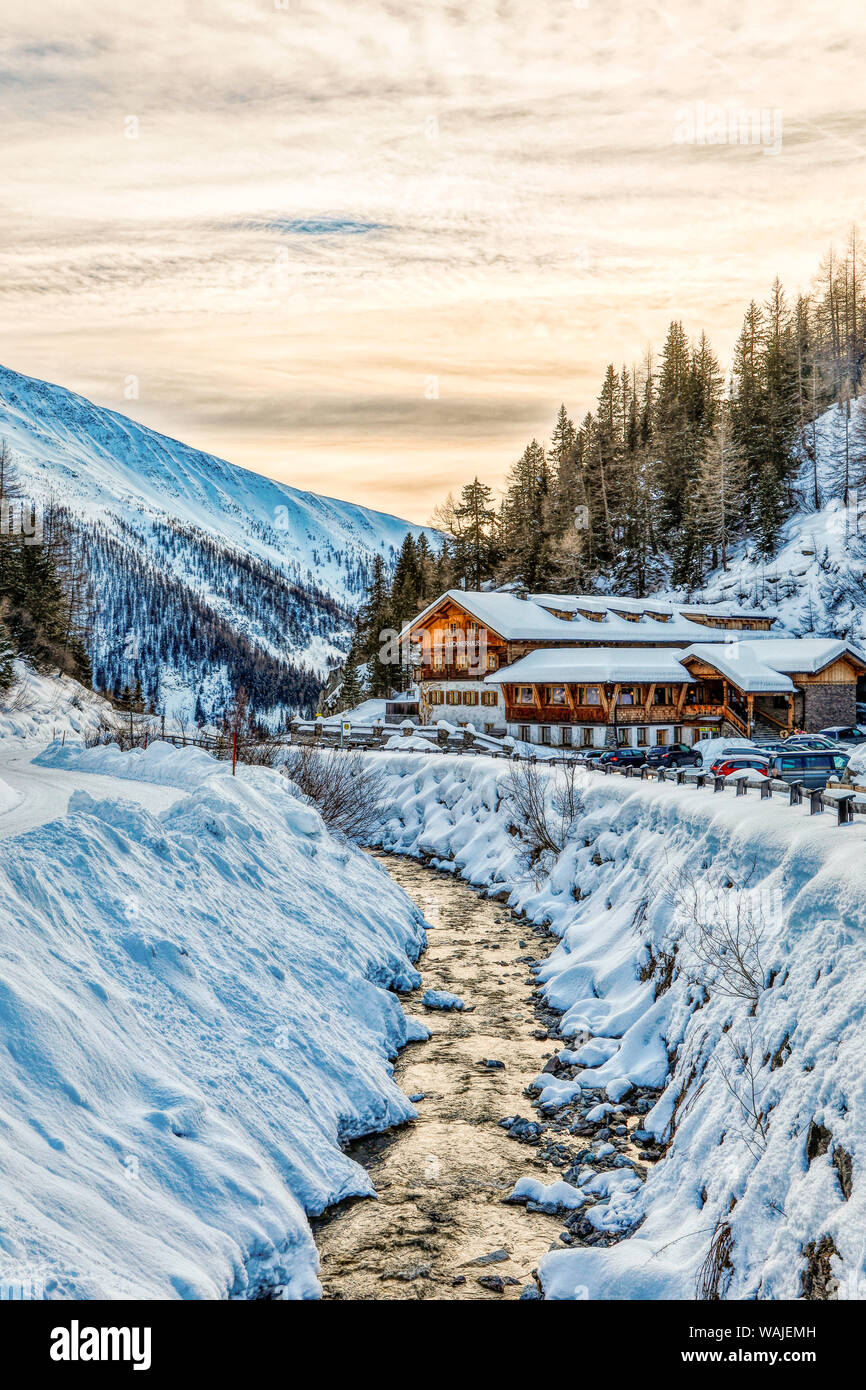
{"type": "Point", "coordinates": [368, 248]}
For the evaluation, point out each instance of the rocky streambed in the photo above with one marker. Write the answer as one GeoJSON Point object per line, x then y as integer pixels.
{"type": "Point", "coordinates": [445, 1223]}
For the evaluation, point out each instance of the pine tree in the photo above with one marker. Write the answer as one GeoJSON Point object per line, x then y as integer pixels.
{"type": "Point", "coordinates": [475, 516]}
{"type": "Point", "coordinates": [7, 655]}
{"type": "Point", "coordinates": [780, 419]}
{"type": "Point", "coordinates": [43, 618]}
{"type": "Point", "coordinates": [406, 584]}
{"type": "Point", "coordinates": [426, 569]}
{"type": "Point", "coordinates": [351, 687]}
{"type": "Point", "coordinates": [529, 556]}
{"type": "Point", "coordinates": [673, 436]}
{"type": "Point", "coordinates": [376, 619]}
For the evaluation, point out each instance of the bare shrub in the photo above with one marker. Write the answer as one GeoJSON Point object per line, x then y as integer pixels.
{"type": "Point", "coordinates": [546, 805]}
{"type": "Point", "coordinates": [742, 1083]}
{"type": "Point", "coordinates": [346, 788]}
{"type": "Point", "coordinates": [714, 1274]}
{"type": "Point", "coordinates": [659, 967]}
{"type": "Point", "coordinates": [725, 925]}
{"type": "Point", "coordinates": [106, 730]}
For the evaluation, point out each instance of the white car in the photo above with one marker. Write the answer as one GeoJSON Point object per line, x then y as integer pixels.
{"type": "Point", "coordinates": [844, 733]}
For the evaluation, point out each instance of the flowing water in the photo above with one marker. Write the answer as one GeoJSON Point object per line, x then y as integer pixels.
{"type": "Point", "coordinates": [442, 1178]}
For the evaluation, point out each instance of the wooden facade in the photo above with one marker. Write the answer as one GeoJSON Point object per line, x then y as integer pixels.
{"type": "Point", "coordinates": [617, 705]}
{"type": "Point", "coordinates": [449, 648]}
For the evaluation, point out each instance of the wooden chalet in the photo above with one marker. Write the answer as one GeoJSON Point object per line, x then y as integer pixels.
{"type": "Point", "coordinates": [464, 637]}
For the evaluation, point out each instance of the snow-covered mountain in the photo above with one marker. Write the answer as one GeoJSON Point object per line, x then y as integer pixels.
{"type": "Point", "coordinates": [201, 569]}
{"type": "Point", "coordinates": [817, 579]}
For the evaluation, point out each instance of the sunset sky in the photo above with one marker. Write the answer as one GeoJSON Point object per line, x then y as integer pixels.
{"type": "Point", "coordinates": [368, 248]}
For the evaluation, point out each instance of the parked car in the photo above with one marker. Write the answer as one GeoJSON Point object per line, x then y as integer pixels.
{"type": "Point", "coordinates": [817, 742]}
{"type": "Point", "coordinates": [735, 762]}
{"type": "Point", "coordinates": [587, 755]}
{"type": "Point", "coordinates": [621, 756]}
{"type": "Point", "coordinates": [716, 748]}
{"type": "Point", "coordinates": [813, 767]}
{"type": "Point", "coordinates": [844, 733]}
{"type": "Point", "coordinates": [672, 755]}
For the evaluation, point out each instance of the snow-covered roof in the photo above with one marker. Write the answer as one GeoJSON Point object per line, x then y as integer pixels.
{"type": "Point", "coordinates": [742, 664]}
{"type": "Point", "coordinates": [526, 619]}
{"type": "Point", "coordinates": [808, 654]}
{"type": "Point", "coordinates": [764, 664]}
{"type": "Point", "coordinates": [600, 603]}
{"type": "Point", "coordinates": [760, 665]}
{"type": "Point", "coordinates": [594, 664]}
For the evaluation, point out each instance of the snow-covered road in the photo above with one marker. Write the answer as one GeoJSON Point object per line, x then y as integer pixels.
{"type": "Point", "coordinates": [41, 794]}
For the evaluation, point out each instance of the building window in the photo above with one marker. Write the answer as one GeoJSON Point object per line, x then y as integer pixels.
{"type": "Point", "coordinates": [525, 695]}
{"type": "Point", "coordinates": [588, 695]}
{"type": "Point", "coordinates": [470, 697]}
{"type": "Point", "coordinates": [565, 737]}
{"type": "Point", "coordinates": [641, 738]}
{"type": "Point", "coordinates": [491, 661]}
{"type": "Point", "coordinates": [435, 697]}
{"type": "Point", "coordinates": [489, 697]}
{"type": "Point", "coordinates": [661, 736]}
{"type": "Point", "coordinates": [586, 738]}
{"type": "Point", "coordinates": [554, 694]}
{"type": "Point", "coordinates": [546, 734]}
{"type": "Point", "coordinates": [452, 697]}
{"type": "Point", "coordinates": [626, 695]}
{"type": "Point", "coordinates": [664, 695]}
{"type": "Point", "coordinates": [524, 732]}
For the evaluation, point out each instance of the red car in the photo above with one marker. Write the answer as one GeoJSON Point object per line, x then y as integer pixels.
{"type": "Point", "coordinates": [730, 762]}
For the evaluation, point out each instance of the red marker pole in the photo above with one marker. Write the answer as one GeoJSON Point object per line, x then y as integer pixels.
{"type": "Point", "coordinates": [234, 750]}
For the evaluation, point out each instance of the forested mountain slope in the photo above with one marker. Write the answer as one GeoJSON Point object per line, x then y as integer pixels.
{"type": "Point", "coordinates": [203, 575]}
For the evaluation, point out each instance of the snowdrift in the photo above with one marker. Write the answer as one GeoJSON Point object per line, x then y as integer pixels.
{"type": "Point", "coordinates": [194, 1014]}
{"type": "Point", "coordinates": [39, 708]}
{"type": "Point", "coordinates": [762, 1074]}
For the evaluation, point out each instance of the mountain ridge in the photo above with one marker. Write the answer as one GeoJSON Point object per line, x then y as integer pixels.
{"type": "Point", "coordinates": [277, 569]}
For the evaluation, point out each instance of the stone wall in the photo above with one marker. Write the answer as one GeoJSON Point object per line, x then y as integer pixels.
{"type": "Point", "coordinates": [825, 705]}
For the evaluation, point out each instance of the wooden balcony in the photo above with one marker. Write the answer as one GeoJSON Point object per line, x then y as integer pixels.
{"type": "Point", "coordinates": [450, 673]}
{"type": "Point", "coordinates": [626, 716]}
{"type": "Point", "coordinates": [554, 714]}
{"type": "Point", "coordinates": [645, 714]}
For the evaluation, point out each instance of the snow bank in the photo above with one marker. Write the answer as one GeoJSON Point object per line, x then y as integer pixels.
{"type": "Point", "coordinates": [367, 712]}
{"type": "Point", "coordinates": [195, 1014]}
{"type": "Point", "coordinates": [38, 708]}
{"type": "Point", "coordinates": [763, 1098]}
{"type": "Point", "coordinates": [9, 798]}
{"type": "Point", "coordinates": [712, 748]}
{"type": "Point", "coordinates": [158, 763]}
{"type": "Point", "coordinates": [857, 760]}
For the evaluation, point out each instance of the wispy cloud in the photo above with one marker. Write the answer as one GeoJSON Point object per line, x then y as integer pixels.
{"type": "Point", "coordinates": [286, 222]}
